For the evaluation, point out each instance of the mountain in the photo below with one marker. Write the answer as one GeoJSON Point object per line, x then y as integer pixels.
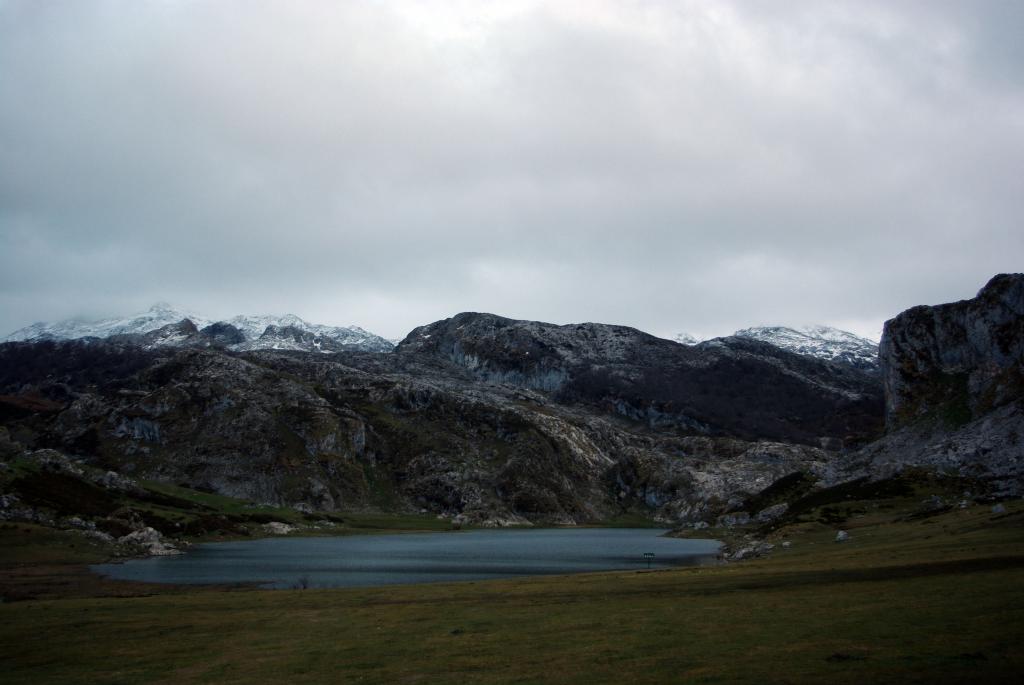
{"type": "Point", "coordinates": [292, 333]}
{"type": "Point", "coordinates": [479, 416]}
{"type": "Point", "coordinates": [163, 325]}
{"type": "Point", "coordinates": [396, 432]}
{"type": "Point", "coordinates": [495, 420]}
{"type": "Point", "coordinates": [157, 316]}
{"type": "Point", "coordinates": [821, 342]}
{"type": "Point", "coordinates": [685, 339]}
{"type": "Point", "coordinates": [729, 386]}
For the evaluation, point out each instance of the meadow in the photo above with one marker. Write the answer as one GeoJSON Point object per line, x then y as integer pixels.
{"type": "Point", "coordinates": [910, 597]}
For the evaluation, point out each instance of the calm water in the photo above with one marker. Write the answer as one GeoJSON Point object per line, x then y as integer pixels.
{"type": "Point", "coordinates": [416, 558]}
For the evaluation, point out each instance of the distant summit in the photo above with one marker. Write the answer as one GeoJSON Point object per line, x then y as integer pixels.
{"type": "Point", "coordinates": [159, 315]}
{"type": "Point", "coordinates": [685, 339]}
{"type": "Point", "coordinates": [821, 342]}
{"type": "Point", "coordinates": [163, 325]}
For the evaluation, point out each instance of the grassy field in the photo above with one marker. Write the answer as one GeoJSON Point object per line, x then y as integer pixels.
{"type": "Point", "coordinates": [930, 599]}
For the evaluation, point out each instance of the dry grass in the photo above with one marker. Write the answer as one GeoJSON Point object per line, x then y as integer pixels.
{"type": "Point", "coordinates": [937, 600]}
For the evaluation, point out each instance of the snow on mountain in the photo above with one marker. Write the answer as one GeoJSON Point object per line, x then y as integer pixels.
{"type": "Point", "coordinates": [159, 315]}
{"type": "Point", "coordinates": [685, 339]}
{"type": "Point", "coordinates": [260, 332]}
{"type": "Point", "coordinates": [252, 327]}
{"type": "Point", "coordinates": [822, 342]}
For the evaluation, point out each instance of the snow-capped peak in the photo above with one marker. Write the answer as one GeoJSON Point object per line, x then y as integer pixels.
{"type": "Point", "coordinates": [287, 332]}
{"type": "Point", "coordinates": [253, 326]}
{"type": "Point", "coordinates": [823, 342]}
{"type": "Point", "coordinates": [159, 315]}
{"type": "Point", "coordinates": [685, 339]}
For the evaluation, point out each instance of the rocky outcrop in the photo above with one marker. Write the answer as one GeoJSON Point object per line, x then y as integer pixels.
{"type": "Point", "coordinates": [989, 449]}
{"type": "Point", "coordinates": [954, 386]}
{"type": "Point", "coordinates": [956, 361]}
{"type": "Point", "coordinates": [220, 334]}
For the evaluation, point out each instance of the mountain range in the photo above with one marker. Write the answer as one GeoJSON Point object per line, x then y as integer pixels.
{"type": "Point", "coordinates": [164, 325]}
{"type": "Point", "coordinates": [821, 342]}
{"type": "Point", "coordinates": [495, 420]}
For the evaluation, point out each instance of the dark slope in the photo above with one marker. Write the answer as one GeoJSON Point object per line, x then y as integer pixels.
{"type": "Point", "coordinates": [729, 386]}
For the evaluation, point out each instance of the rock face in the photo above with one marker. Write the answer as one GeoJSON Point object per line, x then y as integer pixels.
{"type": "Point", "coordinates": [961, 359]}
{"type": "Point", "coordinates": [954, 382]}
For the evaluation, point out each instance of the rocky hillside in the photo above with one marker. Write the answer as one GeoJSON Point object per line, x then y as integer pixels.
{"type": "Point", "coordinates": [491, 420]}
{"type": "Point", "coordinates": [724, 387]}
{"type": "Point", "coordinates": [408, 431]}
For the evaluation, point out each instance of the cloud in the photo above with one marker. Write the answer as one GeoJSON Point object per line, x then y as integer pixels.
{"type": "Point", "coordinates": [672, 166]}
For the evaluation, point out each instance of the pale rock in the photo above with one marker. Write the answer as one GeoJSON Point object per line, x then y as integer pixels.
{"type": "Point", "coordinates": [149, 540]}
{"type": "Point", "coordinates": [773, 512]}
{"type": "Point", "coordinates": [739, 518]}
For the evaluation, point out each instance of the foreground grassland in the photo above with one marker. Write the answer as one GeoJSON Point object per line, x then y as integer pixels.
{"type": "Point", "coordinates": [935, 599]}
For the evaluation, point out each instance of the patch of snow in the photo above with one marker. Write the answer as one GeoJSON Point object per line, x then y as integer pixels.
{"type": "Point", "coordinates": [822, 342]}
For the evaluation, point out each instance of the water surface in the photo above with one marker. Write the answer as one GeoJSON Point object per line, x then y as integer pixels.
{"type": "Point", "coordinates": [361, 560]}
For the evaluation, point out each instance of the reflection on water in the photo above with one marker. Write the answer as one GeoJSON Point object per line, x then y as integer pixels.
{"type": "Point", "coordinates": [416, 558]}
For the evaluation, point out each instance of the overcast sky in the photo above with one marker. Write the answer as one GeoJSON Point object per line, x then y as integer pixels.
{"type": "Point", "coordinates": [673, 166]}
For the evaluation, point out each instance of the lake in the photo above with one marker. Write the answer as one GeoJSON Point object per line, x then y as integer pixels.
{"type": "Point", "coordinates": [361, 560]}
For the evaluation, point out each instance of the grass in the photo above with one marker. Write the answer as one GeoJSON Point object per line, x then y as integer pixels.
{"type": "Point", "coordinates": [938, 599]}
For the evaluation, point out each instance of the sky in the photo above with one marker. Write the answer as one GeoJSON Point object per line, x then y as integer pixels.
{"type": "Point", "coordinates": [675, 166]}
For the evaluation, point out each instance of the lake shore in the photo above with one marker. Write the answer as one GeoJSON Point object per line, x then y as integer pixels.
{"type": "Point", "coordinates": [903, 599]}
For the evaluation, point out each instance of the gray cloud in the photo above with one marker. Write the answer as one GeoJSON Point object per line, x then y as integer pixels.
{"type": "Point", "coordinates": [677, 166]}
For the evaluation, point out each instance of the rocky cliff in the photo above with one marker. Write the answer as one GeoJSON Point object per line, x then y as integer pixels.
{"type": "Point", "coordinates": [956, 361]}
{"type": "Point", "coordinates": [954, 387]}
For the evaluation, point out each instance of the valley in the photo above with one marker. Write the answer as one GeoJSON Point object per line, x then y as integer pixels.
{"type": "Point", "coordinates": [869, 518]}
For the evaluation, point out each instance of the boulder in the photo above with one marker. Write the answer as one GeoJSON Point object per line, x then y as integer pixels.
{"type": "Point", "coordinates": [149, 540]}
{"type": "Point", "coordinates": [278, 528]}
{"type": "Point", "coordinates": [771, 513]}
{"type": "Point", "coordinates": [738, 518]}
